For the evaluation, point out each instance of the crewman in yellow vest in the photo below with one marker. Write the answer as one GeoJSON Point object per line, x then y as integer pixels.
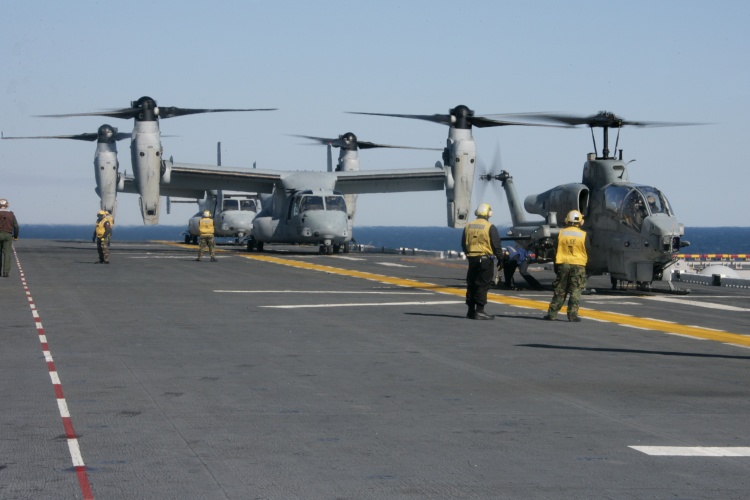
{"type": "Point", "coordinates": [570, 267]}
{"type": "Point", "coordinates": [102, 232]}
{"type": "Point", "coordinates": [206, 238]}
{"type": "Point", "coordinates": [481, 244]}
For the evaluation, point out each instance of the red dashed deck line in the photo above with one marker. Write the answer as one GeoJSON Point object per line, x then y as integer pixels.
{"type": "Point", "coordinates": [75, 451]}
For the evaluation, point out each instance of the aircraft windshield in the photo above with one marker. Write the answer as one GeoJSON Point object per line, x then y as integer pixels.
{"type": "Point", "coordinates": [248, 206]}
{"type": "Point", "coordinates": [311, 203]}
{"type": "Point", "coordinates": [657, 202]}
{"type": "Point", "coordinates": [335, 203]}
{"type": "Point", "coordinates": [613, 197]}
{"type": "Point", "coordinates": [229, 205]}
{"type": "Point", "coordinates": [634, 210]}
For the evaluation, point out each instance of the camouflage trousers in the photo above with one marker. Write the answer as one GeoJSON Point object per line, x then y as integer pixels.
{"type": "Point", "coordinates": [570, 280]}
{"type": "Point", "coordinates": [102, 247]}
{"type": "Point", "coordinates": [206, 241]}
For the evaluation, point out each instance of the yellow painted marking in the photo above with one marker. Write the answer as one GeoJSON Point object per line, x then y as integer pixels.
{"type": "Point", "coordinates": [611, 317]}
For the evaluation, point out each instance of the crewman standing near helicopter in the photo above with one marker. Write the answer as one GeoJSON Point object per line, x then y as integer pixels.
{"type": "Point", "coordinates": [102, 232]}
{"type": "Point", "coordinates": [8, 233]}
{"type": "Point", "coordinates": [206, 238]}
{"type": "Point", "coordinates": [481, 244]}
{"type": "Point", "coordinates": [570, 267]}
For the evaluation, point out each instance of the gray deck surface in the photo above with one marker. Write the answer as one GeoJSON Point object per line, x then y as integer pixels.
{"type": "Point", "coordinates": [185, 379]}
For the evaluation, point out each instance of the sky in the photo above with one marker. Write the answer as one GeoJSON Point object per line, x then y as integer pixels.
{"type": "Point", "coordinates": [671, 61]}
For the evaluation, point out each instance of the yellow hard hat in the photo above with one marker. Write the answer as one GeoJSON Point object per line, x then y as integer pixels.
{"type": "Point", "coordinates": [484, 210]}
{"type": "Point", "coordinates": [574, 217]}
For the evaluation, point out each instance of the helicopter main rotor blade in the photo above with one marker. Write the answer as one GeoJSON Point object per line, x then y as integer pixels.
{"type": "Point", "coordinates": [601, 120]}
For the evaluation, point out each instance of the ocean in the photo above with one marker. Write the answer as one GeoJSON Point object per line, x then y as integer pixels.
{"type": "Point", "coordinates": [703, 240]}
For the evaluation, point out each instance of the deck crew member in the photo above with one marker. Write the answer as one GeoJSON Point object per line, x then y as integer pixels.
{"type": "Point", "coordinates": [206, 238]}
{"type": "Point", "coordinates": [481, 244]}
{"type": "Point", "coordinates": [570, 267]}
{"type": "Point", "coordinates": [102, 232]}
{"type": "Point", "coordinates": [8, 233]}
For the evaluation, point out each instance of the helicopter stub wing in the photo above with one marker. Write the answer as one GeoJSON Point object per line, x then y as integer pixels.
{"type": "Point", "coordinates": [391, 181]}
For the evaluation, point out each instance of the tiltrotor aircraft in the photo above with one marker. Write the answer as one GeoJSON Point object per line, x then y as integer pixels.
{"type": "Point", "coordinates": [106, 166]}
{"type": "Point", "coordinates": [149, 169]}
{"type": "Point", "coordinates": [302, 206]}
{"type": "Point", "coordinates": [459, 155]}
{"type": "Point", "coordinates": [233, 213]}
{"type": "Point", "coordinates": [633, 231]}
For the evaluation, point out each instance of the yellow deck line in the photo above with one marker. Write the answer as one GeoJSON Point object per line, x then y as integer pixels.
{"type": "Point", "coordinates": [620, 319]}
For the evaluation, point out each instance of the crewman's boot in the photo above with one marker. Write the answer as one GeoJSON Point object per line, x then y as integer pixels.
{"type": "Point", "coordinates": [471, 313]}
{"type": "Point", "coordinates": [480, 314]}
{"type": "Point", "coordinates": [213, 259]}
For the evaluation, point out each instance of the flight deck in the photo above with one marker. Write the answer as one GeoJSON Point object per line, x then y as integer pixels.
{"type": "Point", "coordinates": [291, 374]}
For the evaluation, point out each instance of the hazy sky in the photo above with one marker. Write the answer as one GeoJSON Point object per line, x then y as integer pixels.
{"type": "Point", "coordinates": [676, 61]}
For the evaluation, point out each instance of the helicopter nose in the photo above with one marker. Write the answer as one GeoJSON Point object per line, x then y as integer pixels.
{"type": "Point", "coordinates": [667, 232]}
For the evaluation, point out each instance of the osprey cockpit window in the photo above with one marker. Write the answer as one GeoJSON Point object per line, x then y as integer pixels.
{"type": "Point", "coordinates": [308, 203]}
{"type": "Point", "coordinates": [229, 205]}
{"type": "Point", "coordinates": [248, 206]}
{"type": "Point", "coordinates": [335, 202]}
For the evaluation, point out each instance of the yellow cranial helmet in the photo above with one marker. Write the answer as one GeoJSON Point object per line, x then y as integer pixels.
{"type": "Point", "coordinates": [101, 213]}
{"type": "Point", "coordinates": [484, 210]}
{"type": "Point", "coordinates": [574, 217]}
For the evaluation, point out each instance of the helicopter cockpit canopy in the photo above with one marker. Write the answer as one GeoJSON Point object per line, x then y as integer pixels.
{"type": "Point", "coordinates": [239, 204]}
{"type": "Point", "coordinates": [632, 204]}
{"type": "Point", "coordinates": [307, 201]}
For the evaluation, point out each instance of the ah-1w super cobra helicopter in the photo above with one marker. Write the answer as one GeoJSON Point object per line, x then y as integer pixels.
{"type": "Point", "coordinates": [633, 231]}
{"type": "Point", "coordinates": [149, 168]}
{"type": "Point", "coordinates": [106, 166]}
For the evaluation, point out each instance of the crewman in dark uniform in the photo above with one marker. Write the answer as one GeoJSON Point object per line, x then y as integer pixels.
{"type": "Point", "coordinates": [570, 267]}
{"type": "Point", "coordinates": [481, 244]}
{"type": "Point", "coordinates": [8, 233]}
{"type": "Point", "coordinates": [102, 232]}
{"type": "Point", "coordinates": [206, 238]}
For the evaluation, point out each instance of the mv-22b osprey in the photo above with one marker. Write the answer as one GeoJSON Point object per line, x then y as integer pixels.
{"type": "Point", "coordinates": [106, 165]}
{"type": "Point", "coordinates": [633, 230]}
{"type": "Point", "coordinates": [146, 153]}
